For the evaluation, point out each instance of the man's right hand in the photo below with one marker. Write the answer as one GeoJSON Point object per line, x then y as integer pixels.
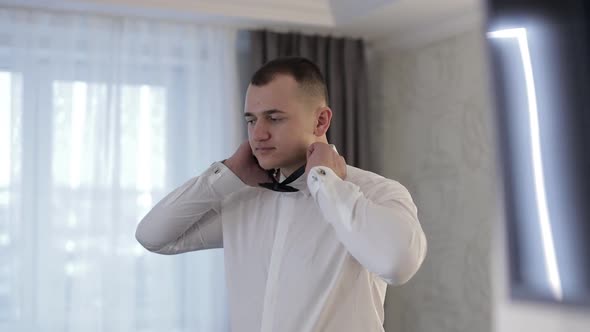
{"type": "Point", "coordinates": [246, 167]}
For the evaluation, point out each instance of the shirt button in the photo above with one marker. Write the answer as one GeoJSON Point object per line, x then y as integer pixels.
{"type": "Point", "coordinates": [315, 178]}
{"type": "Point", "coordinates": [322, 172]}
{"type": "Point", "coordinates": [216, 170]}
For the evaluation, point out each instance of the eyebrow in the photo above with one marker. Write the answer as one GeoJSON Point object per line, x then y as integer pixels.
{"type": "Point", "coordinates": [268, 112]}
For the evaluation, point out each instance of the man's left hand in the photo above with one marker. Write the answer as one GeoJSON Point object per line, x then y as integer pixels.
{"type": "Point", "coordinates": [322, 154]}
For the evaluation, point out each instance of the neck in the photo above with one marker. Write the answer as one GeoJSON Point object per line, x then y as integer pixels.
{"type": "Point", "coordinates": [286, 171]}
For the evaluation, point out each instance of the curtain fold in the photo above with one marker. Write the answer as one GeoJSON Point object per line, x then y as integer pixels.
{"type": "Point", "coordinates": [100, 117]}
{"type": "Point", "coordinates": [343, 64]}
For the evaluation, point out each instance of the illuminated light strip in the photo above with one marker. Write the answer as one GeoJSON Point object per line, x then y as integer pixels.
{"type": "Point", "coordinates": [541, 198]}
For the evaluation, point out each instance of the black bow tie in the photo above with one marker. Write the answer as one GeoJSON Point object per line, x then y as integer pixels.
{"type": "Point", "coordinates": [283, 186]}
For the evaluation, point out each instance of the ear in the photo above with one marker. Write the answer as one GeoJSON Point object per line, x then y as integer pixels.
{"type": "Point", "coordinates": [323, 118]}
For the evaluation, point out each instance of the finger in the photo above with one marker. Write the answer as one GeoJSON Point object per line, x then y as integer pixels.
{"type": "Point", "coordinates": [334, 148]}
{"type": "Point", "coordinates": [313, 146]}
{"type": "Point", "coordinates": [246, 148]}
{"type": "Point", "coordinates": [310, 150]}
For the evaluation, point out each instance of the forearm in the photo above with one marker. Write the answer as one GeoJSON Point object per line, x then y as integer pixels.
{"type": "Point", "coordinates": [386, 238]}
{"type": "Point", "coordinates": [186, 219]}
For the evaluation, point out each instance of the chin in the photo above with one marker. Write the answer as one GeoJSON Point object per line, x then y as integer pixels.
{"type": "Point", "coordinates": [266, 165]}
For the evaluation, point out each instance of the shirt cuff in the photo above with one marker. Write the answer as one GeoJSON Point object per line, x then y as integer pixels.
{"type": "Point", "coordinates": [318, 176]}
{"type": "Point", "coordinates": [335, 197]}
{"type": "Point", "coordinates": [222, 180]}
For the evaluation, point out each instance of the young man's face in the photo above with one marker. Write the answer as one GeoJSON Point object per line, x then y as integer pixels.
{"type": "Point", "coordinates": [280, 122]}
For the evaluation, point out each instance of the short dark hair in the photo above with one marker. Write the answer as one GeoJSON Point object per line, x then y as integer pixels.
{"type": "Point", "coordinates": [304, 71]}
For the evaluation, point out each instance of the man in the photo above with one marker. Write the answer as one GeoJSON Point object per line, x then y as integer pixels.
{"type": "Point", "coordinates": [310, 250]}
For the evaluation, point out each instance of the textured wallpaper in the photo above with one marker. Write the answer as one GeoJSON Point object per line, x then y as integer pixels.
{"type": "Point", "coordinates": [433, 120]}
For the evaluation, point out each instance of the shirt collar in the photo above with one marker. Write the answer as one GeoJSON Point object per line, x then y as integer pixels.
{"type": "Point", "coordinates": [300, 183]}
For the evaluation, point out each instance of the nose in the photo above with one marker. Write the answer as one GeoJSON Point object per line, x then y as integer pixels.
{"type": "Point", "coordinates": [259, 132]}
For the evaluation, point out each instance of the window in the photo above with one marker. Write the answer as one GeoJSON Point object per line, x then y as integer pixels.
{"type": "Point", "coordinates": [99, 119]}
{"type": "Point", "coordinates": [11, 269]}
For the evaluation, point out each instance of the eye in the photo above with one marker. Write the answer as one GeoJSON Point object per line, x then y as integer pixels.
{"type": "Point", "coordinates": [251, 121]}
{"type": "Point", "coordinates": [275, 119]}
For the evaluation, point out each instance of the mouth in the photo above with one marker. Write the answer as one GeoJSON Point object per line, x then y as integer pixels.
{"type": "Point", "coordinates": [264, 150]}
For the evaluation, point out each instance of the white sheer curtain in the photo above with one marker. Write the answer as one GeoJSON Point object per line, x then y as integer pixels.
{"type": "Point", "coordinates": [100, 117]}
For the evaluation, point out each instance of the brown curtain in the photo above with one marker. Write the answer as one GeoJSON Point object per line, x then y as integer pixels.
{"type": "Point", "coordinates": [343, 64]}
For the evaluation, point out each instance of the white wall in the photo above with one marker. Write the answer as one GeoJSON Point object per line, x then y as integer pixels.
{"type": "Point", "coordinates": [435, 123]}
{"type": "Point", "coordinates": [436, 141]}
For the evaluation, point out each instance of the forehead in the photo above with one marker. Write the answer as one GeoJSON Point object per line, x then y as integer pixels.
{"type": "Point", "coordinates": [279, 94]}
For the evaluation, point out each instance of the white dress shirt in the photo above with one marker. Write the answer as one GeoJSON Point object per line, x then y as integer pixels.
{"type": "Point", "coordinates": [318, 259]}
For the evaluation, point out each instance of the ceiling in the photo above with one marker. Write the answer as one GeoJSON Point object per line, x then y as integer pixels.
{"type": "Point", "coordinates": [386, 23]}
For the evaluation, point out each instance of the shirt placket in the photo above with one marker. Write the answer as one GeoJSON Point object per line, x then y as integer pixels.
{"type": "Point", "coordinates": [272, 282]}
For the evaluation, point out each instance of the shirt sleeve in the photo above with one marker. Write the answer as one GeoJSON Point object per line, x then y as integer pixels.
{"type": "Point", "coordinates": [381, 230]}
{"type": "Point", "coordinates": [188, 218]}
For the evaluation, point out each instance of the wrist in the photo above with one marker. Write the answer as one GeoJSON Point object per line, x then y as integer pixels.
{"type": "Point", "coordinates": [229, 164]}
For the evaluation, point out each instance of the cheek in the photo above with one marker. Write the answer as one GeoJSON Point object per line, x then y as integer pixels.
{"type": "Point", "coordinates": [293, 133]}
